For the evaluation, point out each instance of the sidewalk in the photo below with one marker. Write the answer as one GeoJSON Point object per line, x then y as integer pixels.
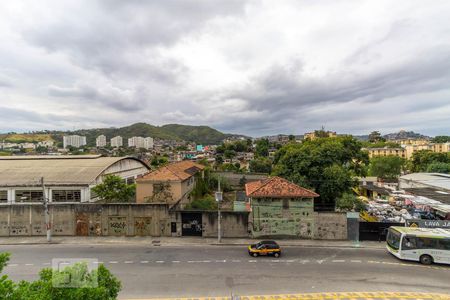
{"type": "Point", "coordinates": [183, 241]}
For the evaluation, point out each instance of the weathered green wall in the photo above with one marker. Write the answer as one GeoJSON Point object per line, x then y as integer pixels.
{"type": "Point", "coordinates": [269, 218]}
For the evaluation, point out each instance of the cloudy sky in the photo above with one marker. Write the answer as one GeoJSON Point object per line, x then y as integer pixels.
{"type": "Point", "coordinates": [251, 67]}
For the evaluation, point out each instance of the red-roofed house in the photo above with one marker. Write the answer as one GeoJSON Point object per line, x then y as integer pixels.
{"type": "Point", "coordinates": [280, 208]}
{"type": "Point", "coordinates": [169, 184]}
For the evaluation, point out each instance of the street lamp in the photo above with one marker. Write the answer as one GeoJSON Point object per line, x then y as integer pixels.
{"type": "Point", "coordinates": [219, 197]}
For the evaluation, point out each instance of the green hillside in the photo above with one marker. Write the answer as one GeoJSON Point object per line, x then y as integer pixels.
{"type": "Point", "coordinates": [198, 134]}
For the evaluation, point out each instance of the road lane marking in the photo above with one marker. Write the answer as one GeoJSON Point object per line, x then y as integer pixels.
{"type": "Point", "coordinates": [222, 261]}
{"type": "Point", "coordinates": [252, 261]}
{"type": "Point", "coordinates": [356, 261]}
{"type": "Point", "coordinates": [46, 264]}
{"type": "Point", "coordinates": [160, 261]}
{"type": "Point", "coordinates": [333, 296]}
{"type": "Point", "coordinates": [320, 261]}
{"type": "Point", "coordinates": [12, 265]}
{"type": "Point", "coordinates": [338, 260]}
{"type": "Point", "coordinates": [29, 264]}
{"type": "Point", "coordinates": [236, 260]}
{"type": "Point", "coordinates": [128, 262]}
{"type": "Point", "coordinates": [144, 261]}
{"type": "Point", "coordinates": [113, 262]}
{"type": "Point", "coordinates": [175, 261]}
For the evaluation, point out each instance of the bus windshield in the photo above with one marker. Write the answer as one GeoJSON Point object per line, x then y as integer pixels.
{"type": "Point", "coordinates": [393, 239]}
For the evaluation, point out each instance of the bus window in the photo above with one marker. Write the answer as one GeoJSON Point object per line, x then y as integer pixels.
{"type": "Point", "coordinates": [393, 239]}
{"type": "Point", "coordinates": [444, 244]}
{"type": "Point", "coordinates": [409, 243]}
{"type": "Point", "coordinates": [426, 243]}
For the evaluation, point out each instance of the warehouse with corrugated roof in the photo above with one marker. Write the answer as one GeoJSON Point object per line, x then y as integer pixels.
{"type": "Point", "coordinates": [67, 178]}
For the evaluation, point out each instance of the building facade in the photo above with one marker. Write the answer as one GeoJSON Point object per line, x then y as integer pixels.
{"type": "Point", "coordinates": [100, 141]}
{"type": "Point", "coordinates": [66, 178]}
{"type": "Point", "coordinates": [280, 208]}
{"type": "Point", "coordinates": [117, 142]}
{"type": "Point", "coordinates": [140, 142]}
{"type": "Point", "coordinates": [74, 141]}
{"type": "Point", "coordinates": [171, 184]}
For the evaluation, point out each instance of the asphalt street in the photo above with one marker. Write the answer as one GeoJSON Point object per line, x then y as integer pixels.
{"type": "Point", "coordinates": [199, 271]}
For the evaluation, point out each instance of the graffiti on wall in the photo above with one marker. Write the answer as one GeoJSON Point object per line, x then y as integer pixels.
{"type": "Point", "coordinates": [117, 226]}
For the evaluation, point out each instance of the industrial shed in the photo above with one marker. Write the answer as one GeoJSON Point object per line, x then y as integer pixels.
{"type": "Point", "coordinates": [67, 178]}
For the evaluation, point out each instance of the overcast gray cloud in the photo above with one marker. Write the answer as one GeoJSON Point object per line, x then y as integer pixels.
{"type": "Point", "coordinates": [255, 67]}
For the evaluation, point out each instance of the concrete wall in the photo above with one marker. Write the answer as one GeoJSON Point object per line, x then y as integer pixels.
{"type": "Point", "coordinates": [86, 219]}
{"type": "Point", "coordinates": [330, 226]}
{"type": "Point", "coordinates": [270, 218]}
{"type": "Point", "coordinates": [234, 224]}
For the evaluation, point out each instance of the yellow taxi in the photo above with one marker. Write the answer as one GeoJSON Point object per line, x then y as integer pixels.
{"type": "Point", "coordinates": [264, 248]}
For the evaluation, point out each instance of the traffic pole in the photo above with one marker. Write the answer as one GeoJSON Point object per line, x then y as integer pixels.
{"type": "Point", "coordinates": [46, 213]}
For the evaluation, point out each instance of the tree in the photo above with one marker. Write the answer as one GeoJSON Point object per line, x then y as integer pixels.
{"type": "Point", "coordinates": [349, 202]}
{"type": "Point", "coordinates": [114, 189]}
{"type": "Point", "coordinates": [439, 167]}
{"type": "Point", "coordinates": [260, 165]}
{"type": "Point", "coordinates": [386, 167]}
{"type": "Point", "coordinates": [327, 165]}
{"type": "Point", "coordinates": [422, 158]}
{"type": "Point", "coordinates": [158, 161]}
{"type": "Point", "coordinates": [262, 148]}
{"type": "Point", "coordinates": [375, 137]}
{"type": "Point", "coordinates": [441, 139]}
{"type": "Point", "coordinates": [229, 154]}
{"type": "Point", "coordinates": [51, 284]}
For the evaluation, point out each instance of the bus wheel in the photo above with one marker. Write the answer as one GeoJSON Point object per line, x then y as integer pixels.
{"type": "Point", "coordinates": [426, 259]}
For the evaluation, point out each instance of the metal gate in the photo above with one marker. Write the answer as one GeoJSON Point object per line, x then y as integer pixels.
{"type": "Point", "coordinates": [82, 227]}
{"type": "Point", "coordinates": [375, 231]}
{"type": "Point", "coordinates": [191, 224]}
{"type": "Point", "coordinates": [143, 226]}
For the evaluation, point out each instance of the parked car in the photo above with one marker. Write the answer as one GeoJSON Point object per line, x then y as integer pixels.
{"type": "Point", "coordinates": [264, 248]}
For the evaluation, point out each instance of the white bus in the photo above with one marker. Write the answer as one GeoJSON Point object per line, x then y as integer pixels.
{"type": "Point", "coordinates": [427, 245]}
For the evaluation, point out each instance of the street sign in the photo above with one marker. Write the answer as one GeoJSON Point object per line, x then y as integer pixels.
{"type": "Point", "coordinates": [428, 223]}
{"type": "Point", "coordinates": [218, 196]}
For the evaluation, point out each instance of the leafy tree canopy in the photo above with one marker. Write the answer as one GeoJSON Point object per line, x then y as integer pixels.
{"type": "Point", "coordinates": [441, 139]}
{"type": "Point", "coordinates": [439, 167]}
{"type": "Point", "coordinates": [375, 137]}
{"type": "Point", "coordinates": [114, 189]}
{"type": "Point", "coordinates": [260, 165]}
{"type": "Point", "coordinates": [327, 165]}
{"type": "Point", "coordinates": [423, 158]}
{"type": "Point", "coordinates": [386, 167]}
{"type": "Point", "coordinates": [262, 148]}
{"type": "Point", "coordinates": [349, 202]}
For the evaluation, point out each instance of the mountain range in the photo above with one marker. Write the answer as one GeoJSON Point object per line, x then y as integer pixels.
{"type": "Point", "coordinates": [197, 134]}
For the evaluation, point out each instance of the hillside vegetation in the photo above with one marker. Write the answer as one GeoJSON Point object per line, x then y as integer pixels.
{"type": "Point", "coordinates": [198, 134]}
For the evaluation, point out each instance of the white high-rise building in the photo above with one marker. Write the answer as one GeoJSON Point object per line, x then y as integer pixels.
{"type": "Point", "coordinates": [140, 142]}
{"type": "Point", "coordinates": [101, 141]}
{"type": "Point", "coordinates": [74, 140]}
{"type": "Point", "coordinates": [117, 142]}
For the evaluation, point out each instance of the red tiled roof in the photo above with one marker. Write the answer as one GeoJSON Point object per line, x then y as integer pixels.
{"type": "Point", "coordinates": [174, 172]}
{"type": "Point", "coordinates": [277, 187]}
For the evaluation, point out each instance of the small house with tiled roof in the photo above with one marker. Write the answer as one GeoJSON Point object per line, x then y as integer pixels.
{"type": "Point", "coordinates": [280, 208]}
{"type": "Point", "coordinates": [170, 184]}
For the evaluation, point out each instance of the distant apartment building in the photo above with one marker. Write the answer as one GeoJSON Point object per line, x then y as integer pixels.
{"type": "Point", "coordinates": [400, 152]}
{"type": "Point", "coordinates": [76, 141]}
{"type": "Point", "coordinates": [417, 142]}
{"type": "Point", "coordinates": [140, 142]}
{"type": "Point", "coordinates": [313, 135]}
{"type": "Point", "coordinates": [407, 150]}
{"type": "Point", "coordinates": [101, 141]}
{"type": "Point", "coordinates": [117, 142]}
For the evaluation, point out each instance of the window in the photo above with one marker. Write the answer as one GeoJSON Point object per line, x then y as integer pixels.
{"type": "Point", "coordinates": [444, 244]}
{"type": "Point", "coordinates": [66, 195]}
{"type": "Point", "coordinates": [130, 180]}
{"type": "Point", "coordinates": [409, 243]}
{"type": "Point", "coordinates": [3, 196]}
{"type": "Point", "coordinates": [393, 239]}
{"type": "Point", "coordinates": [28, 196]}
{"type": "Point", "coordinates": [158, 188]}
{"type": "Point", "coordinates": [426, 243]}
{"type": "Point", "coordinates": [285, 203]}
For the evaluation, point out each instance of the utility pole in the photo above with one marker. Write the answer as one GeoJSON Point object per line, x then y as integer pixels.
{"type": "Point", "coordinates": [219, 217]}
{"type": "Point", "coordinates": [47, 213]}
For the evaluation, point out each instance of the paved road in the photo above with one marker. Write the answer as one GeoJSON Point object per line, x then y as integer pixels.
{"type": "Point", "coordinates": [152, 271]}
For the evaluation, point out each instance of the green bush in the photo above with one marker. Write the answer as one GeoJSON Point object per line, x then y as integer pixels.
{"type": "Point", "coordinates": [107, 287]}
{"type": "Point", "coordinates": [206, 203]}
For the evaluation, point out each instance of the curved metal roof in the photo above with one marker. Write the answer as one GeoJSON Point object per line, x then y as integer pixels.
{"type": "Point", "coordinates": [56, 170]}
